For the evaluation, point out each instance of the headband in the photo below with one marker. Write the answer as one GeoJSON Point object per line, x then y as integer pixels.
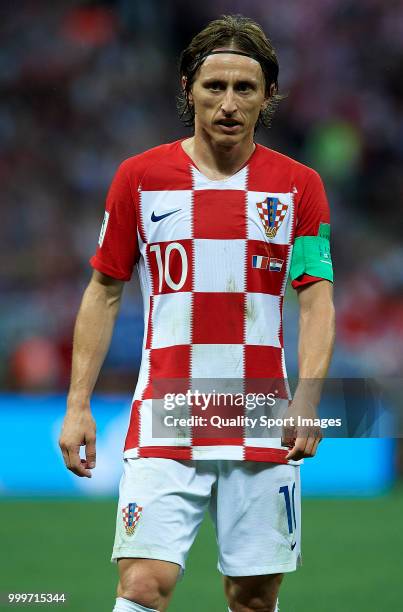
{"type": "Point", "coordinates": [234, 51]}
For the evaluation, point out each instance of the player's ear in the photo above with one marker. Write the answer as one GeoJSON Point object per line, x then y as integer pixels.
{"type": "Point", "coordinates": [265, 104]}
{"type": "Point", "coordinates": [266, 101]}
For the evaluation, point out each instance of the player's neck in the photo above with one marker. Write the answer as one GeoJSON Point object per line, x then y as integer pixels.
{"type": "Point", "coordinates": [214, 161]}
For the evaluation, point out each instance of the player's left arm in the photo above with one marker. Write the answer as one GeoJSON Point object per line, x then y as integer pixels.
{"type": "Point", "coordinates": [315, 348]}
{"type": "Point", "coordinates": [312, 277]}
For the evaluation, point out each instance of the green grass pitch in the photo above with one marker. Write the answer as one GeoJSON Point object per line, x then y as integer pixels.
{"type": "Point", "coordinates": [352, 552]}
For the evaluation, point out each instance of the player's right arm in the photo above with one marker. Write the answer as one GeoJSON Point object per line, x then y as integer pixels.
{"type": "Point", "coordinates": [113, 263]}
{"type": "Point", "coordinates": [92, 336]}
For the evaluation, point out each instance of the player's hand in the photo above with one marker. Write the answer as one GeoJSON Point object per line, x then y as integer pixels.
{"type": "Point", "coordinates": [79, 429]}
{"type": "Point", "coordinates": [303, 441]}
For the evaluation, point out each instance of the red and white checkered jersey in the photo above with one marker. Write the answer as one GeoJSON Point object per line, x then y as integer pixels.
{"type": "Point", "coordinates": [213, 258]}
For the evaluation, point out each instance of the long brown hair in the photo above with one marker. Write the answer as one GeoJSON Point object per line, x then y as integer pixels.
{"type": "Point", "coordinates": [238, 32]}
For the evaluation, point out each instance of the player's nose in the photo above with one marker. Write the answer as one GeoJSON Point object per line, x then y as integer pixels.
{"type": "Point", "coordinates": [228, 103]}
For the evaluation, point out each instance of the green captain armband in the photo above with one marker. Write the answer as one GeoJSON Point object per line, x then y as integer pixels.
{"type": "Point", "coordinates": [311, 255]}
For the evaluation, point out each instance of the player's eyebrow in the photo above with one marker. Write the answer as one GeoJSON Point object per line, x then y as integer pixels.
{"type": "Point", "coordinates": [245, 81]}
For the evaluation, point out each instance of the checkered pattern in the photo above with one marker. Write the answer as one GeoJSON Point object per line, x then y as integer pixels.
{"type": "Point", "coordinates": [209, 311]}
{"type": "Point", "coordinates": [131, 515]}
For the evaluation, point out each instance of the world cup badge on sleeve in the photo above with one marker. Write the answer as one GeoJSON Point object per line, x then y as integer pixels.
{"type": "Point", "coordinates": [271, 212]}
{"type": "Point", "coordinates": [103, 229]}
{"type": "Point", "coordinates": [131, 516]}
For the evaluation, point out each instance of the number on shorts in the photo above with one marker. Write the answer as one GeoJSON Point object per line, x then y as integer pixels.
{"type": "Point", "coordinates": [289, 506]}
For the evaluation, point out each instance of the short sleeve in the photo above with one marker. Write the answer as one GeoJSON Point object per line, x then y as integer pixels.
{"type": "Point", "coordinates": [118, 250]}
{"type": "Point", "coordinates": [311, 260]}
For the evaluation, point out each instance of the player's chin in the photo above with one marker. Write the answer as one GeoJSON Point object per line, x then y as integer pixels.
{"type": "Point", "coordinates": [228, 139]}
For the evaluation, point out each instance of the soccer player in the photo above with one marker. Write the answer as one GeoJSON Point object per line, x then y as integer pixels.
{"type": "Point", "coordinates": [215, 224]}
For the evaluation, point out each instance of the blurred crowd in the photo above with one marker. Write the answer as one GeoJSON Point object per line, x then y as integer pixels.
{"type": "Point", "coordinates": [88, 84]}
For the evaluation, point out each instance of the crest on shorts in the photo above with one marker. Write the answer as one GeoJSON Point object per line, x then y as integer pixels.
{"type": "Point", "coordinates": [271, 212]}
{"type": "Point", "coordinates": [131, 516]}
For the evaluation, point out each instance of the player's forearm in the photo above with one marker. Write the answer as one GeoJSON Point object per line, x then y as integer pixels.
{"type": "Point", "coordinates": [92, 336]}
{"type": "Point", "coordinates": [315, 347]}
{"type": "Point", "coordinates": [316, 340]}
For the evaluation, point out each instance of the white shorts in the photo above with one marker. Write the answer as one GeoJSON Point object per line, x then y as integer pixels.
{"type": "Point", "coordinates": [255, 508]}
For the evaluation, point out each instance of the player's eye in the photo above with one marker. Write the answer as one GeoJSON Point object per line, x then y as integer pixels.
{"type": "Point", "coordinates": [244, 87]}
{"type": "Point", "coordinates": [215, 86]}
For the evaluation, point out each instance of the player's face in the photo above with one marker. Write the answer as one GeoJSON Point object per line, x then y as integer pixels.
{"type": "Point", "coordinates": [228, 95]}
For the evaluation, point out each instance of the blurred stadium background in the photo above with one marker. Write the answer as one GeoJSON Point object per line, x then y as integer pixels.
{"type": "Point", "coordinates": [85, 85]}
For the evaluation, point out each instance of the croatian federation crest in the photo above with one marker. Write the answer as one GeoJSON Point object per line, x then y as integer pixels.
{"type": "Point", "coordinates": [131, 516]}
{"type": "Point", "coordinates": [271, 212]}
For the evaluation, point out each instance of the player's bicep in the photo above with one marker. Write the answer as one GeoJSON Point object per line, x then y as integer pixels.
{"type": "Point", "coordinates": [318, 293]}
{"type": "Point", "coordinates": [117, 250]}
{"type": "Point", "coordinates": [311, 258]}
{"type": "Point", "coordinates": [109, 288]}
{"type": "Point", "coordinates": [106, 281]}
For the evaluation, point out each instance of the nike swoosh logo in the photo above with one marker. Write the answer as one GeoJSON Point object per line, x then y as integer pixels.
{"type": "Point", "coordinates": [293, 545]}
{"type": "Point", "coordinates": [155, 217]}
{"type": "Point", "coordinates": [325, 261]}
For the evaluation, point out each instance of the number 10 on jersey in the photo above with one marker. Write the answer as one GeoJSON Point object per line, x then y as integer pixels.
{"type": "Point", "coordinates": [170, 267]}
